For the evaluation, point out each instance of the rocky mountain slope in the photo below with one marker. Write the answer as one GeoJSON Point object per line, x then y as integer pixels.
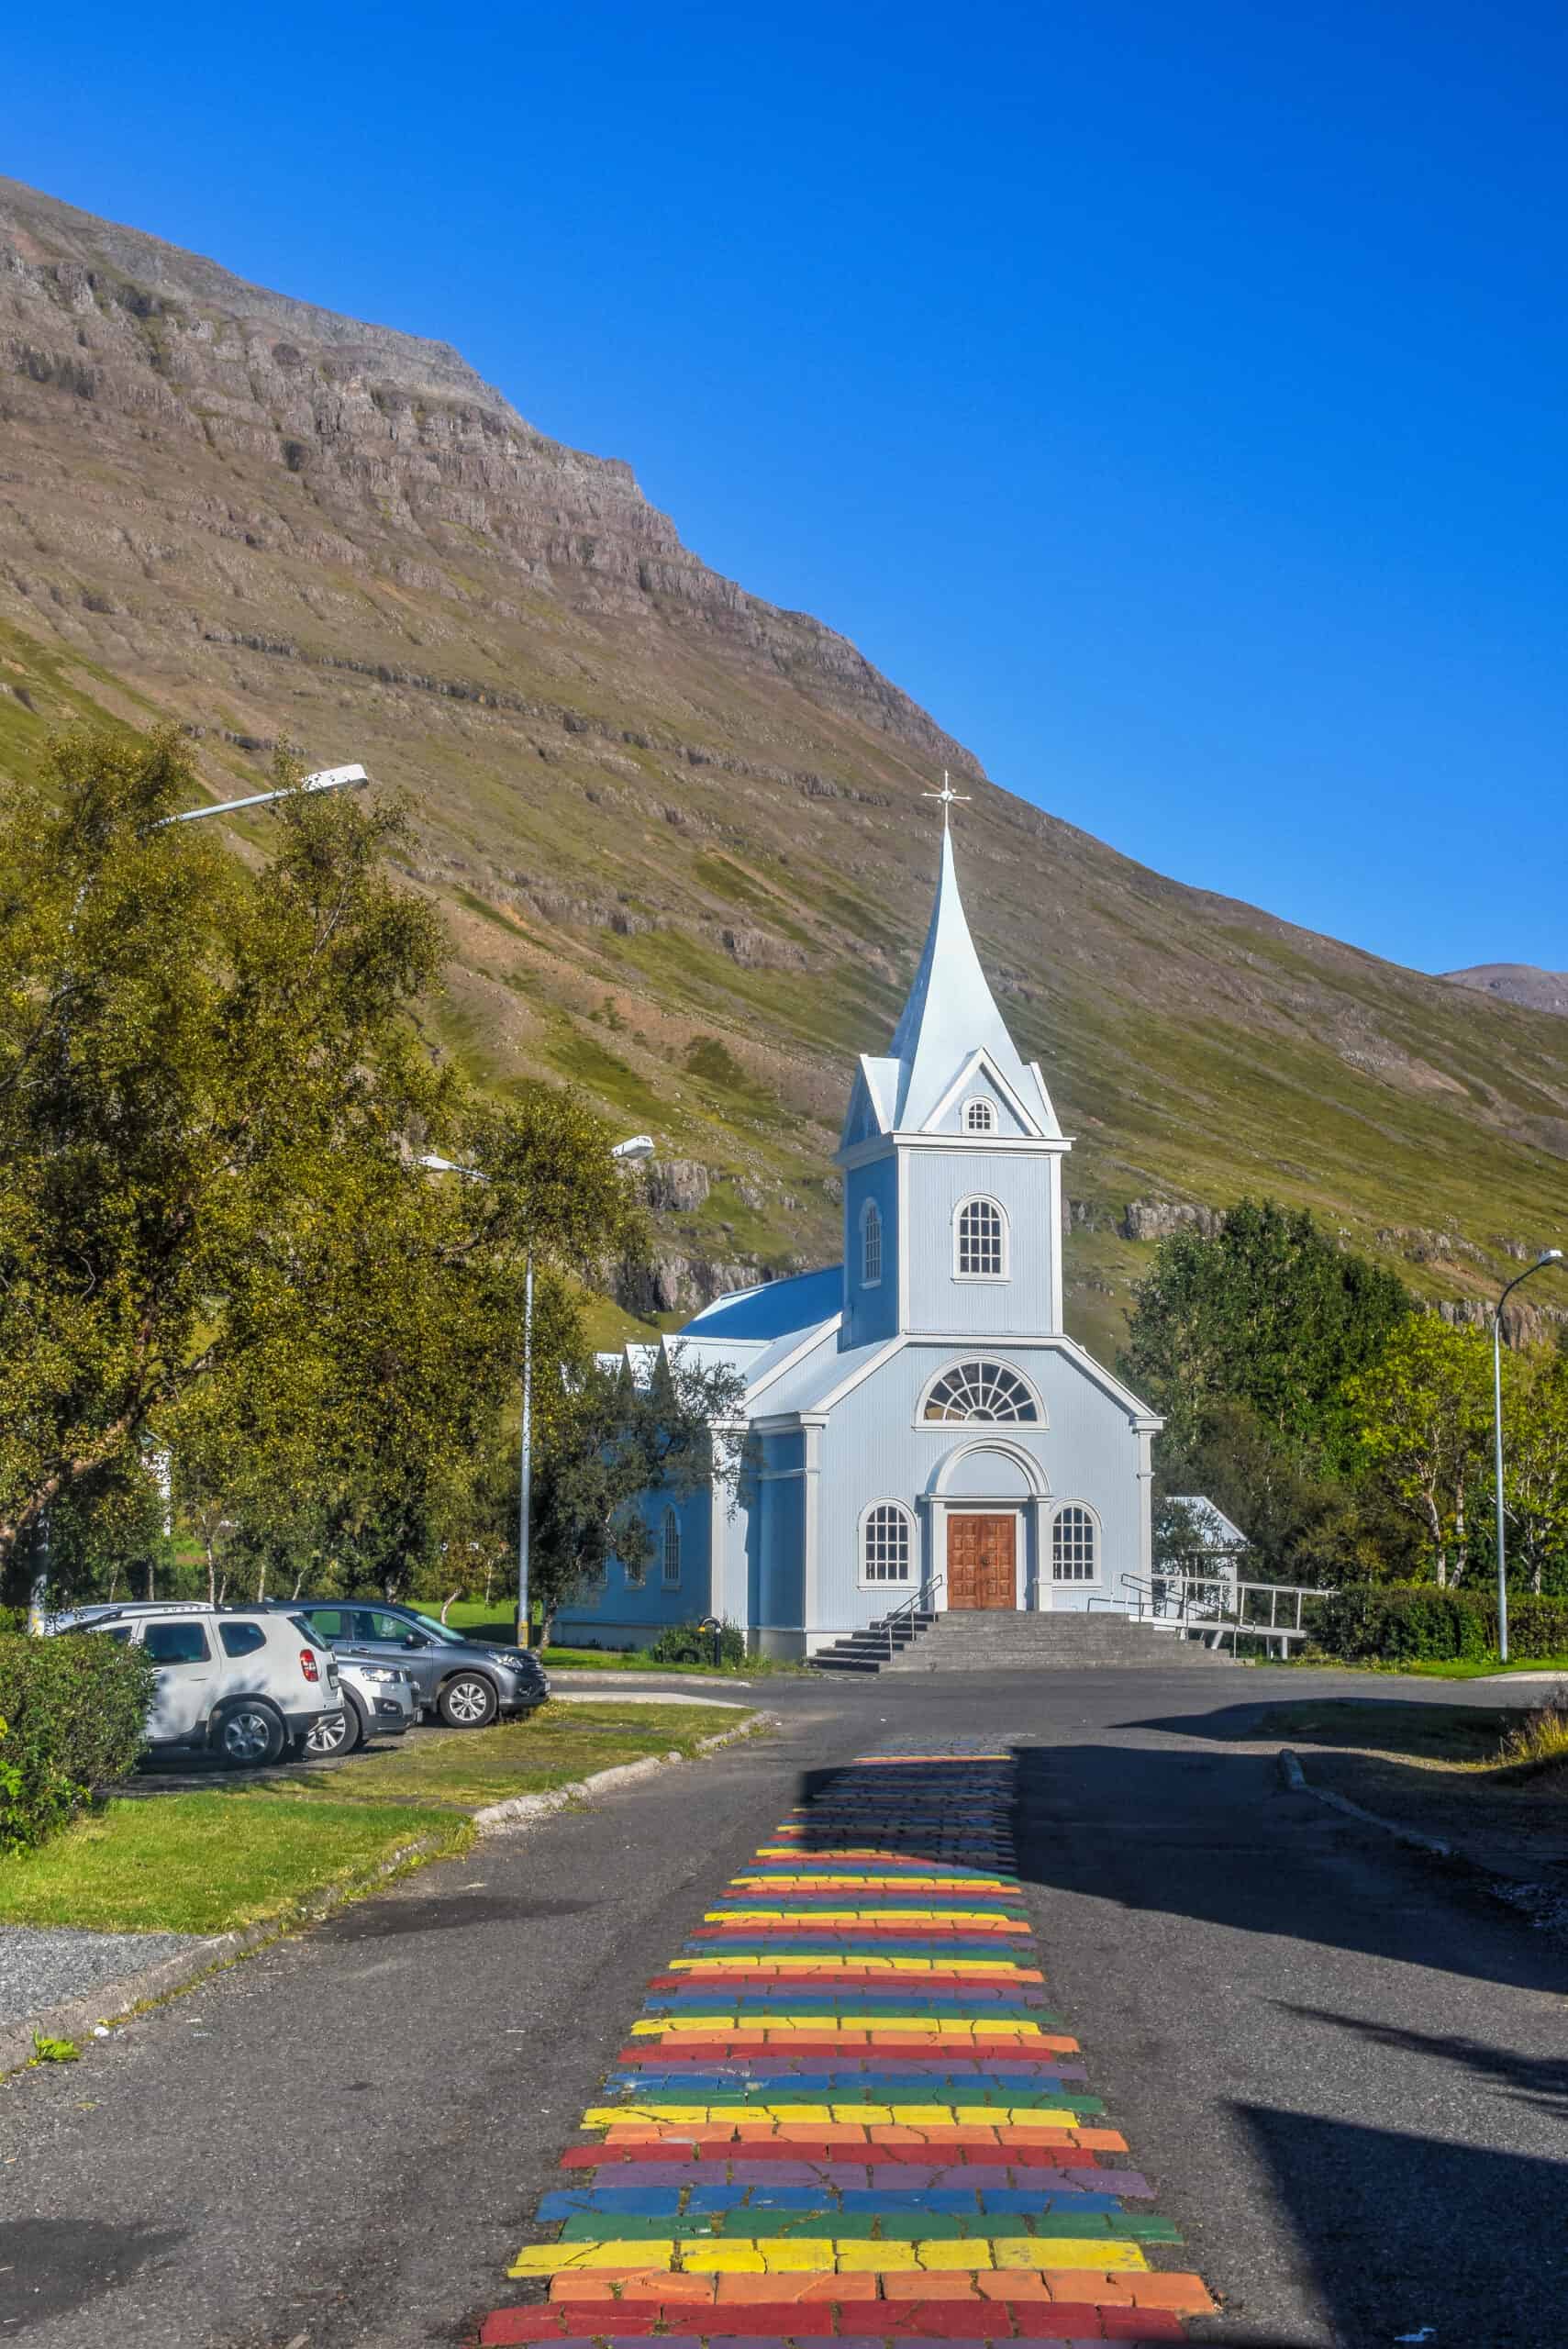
{"type": "Point", "coordinates": [1516, 983]}
{"type": "Point", "coordinates": [678, 834]}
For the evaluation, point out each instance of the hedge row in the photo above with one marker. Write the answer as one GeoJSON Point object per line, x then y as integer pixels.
{"type": "Point", "coordinates": [72, 1718]}
{"type": "Point", "coordinates": [1417, 1623]}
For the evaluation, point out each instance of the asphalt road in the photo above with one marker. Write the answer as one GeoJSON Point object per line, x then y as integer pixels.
{"type": "Point", "coordinates": [1347, 2070]}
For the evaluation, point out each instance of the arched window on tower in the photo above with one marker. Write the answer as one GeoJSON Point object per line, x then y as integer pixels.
{"type": "Point", "coordinates": [871, 1245]}
{"type": "Point", "coordinates": [672, 1549]}
{"type": "Point", "coordinates": [979, 1116]}
{"type": "Point", "coordinates": [980, 1242]}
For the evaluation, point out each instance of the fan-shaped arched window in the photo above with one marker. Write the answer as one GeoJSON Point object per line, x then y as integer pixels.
{"type": "Point", "coordinates": [871, 1245]}
{"type": "Point", "coordinates": [886, 1543]}
{"type": "Point", "coordinates": [672, 1549]}
{"type": "Point", "coordinates": [1072, 1545]}
{"type": "Point", "coordinates": [981, 1390]}
{"type": "Point", "coordinates": [980, 1242]}
{"type": "Point", "coordinates": [979, 1116]}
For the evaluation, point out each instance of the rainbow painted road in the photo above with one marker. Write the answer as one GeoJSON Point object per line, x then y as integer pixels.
{"type": "Point", "coordinates": [846, 2111]}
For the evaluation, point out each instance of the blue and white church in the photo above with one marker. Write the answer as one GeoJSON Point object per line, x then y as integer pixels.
{"type": "Point", "coordinates": [919, 1425]}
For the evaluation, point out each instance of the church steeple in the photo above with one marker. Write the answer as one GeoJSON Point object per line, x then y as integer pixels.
{"type": "Point", "coordinates": [950, 1022]}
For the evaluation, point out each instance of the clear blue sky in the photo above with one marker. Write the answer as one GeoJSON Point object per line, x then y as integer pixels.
{"type": "Point", "coordinates": [1171, 399]}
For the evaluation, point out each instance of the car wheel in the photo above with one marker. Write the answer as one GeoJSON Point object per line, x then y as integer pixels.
{"type": "Point", "coordinates": [248, 1736]}
{"type": "Point", "coordinates": [340, 1735]}
{"type": "Point", "coordinates": [468, 1701]}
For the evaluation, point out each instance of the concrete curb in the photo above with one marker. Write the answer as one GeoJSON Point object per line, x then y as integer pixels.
{"type": "Point", "coordinates": [111, 2001]}
{"type": "Point", "coordinates": [1296, 1779]}
{"type": "Point", "coordinates": [590, 1677]}
{"type": "Point", "coordinates": [559, 1696]}
{"type": "Point", "coordinates": [520, 1811]}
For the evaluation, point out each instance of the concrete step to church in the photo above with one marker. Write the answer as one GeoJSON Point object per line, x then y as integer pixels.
{"type": "Point", "coordinates": [874, 1649]}
{"type": "Point", "coordinates": [984, 1640]}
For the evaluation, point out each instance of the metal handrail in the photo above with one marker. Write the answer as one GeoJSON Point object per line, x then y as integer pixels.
{"type": "Point", "coordinates": [914, 1604]}
{"type": "Point", "coordinates": [1218, 1603]}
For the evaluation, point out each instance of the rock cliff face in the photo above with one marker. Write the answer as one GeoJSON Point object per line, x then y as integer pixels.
{"type": "Point", "coordinates": [387, 457]}
{"type": "Point", "coordinates": [678, 834]}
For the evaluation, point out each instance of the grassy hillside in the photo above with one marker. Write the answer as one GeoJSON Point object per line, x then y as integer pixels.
{"type": "Point", "coordinates": [678, 835]}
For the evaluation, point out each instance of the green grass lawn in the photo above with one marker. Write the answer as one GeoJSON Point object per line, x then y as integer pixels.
{"type": "Point", "coordinates": [204, 1863]}
{"type": "Point", "coordinates": [1469, 1735]}
{"type": "Point", "coordinates": [205, 1860]}
{"type": "Point", "coordinates": [553, 1747]}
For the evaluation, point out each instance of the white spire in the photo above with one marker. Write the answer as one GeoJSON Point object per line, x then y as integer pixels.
{"type": "Point", "coordinates": [949, 1030]}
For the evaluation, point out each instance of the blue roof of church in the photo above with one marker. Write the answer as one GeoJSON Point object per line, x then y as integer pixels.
{"type": "Point", "coordinates": [773, 1311]}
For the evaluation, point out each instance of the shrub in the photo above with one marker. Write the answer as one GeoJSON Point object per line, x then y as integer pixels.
{"type": "Point", "coordinates": [75, 1716]}
{"type": "Point", "coordinates": [1541, 1737]}
{"type": "Point", "coordinates": [1419, 1623]}
{"type": "Point", "coordinates": [689, 1643]}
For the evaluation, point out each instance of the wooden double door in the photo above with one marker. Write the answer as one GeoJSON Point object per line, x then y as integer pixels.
{"type": "Point", "coordinates": [983, 1561]}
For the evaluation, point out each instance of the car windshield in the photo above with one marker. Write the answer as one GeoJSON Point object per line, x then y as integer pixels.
{"type": "Point", "coordinates": [438, 1630]}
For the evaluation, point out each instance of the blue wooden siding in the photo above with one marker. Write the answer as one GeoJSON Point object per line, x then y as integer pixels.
{"type": "Point", "coordinates": [871, 1314]}
{"type": "Point", "coordinates": [623, 1614]}
{"type": "Point", "coordinates": [1020, 1182]}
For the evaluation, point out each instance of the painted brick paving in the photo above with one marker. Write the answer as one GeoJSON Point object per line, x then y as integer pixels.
{"type": "Point", "coordinates": [846, 2111]}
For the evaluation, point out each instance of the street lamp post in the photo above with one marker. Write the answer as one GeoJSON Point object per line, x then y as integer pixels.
{"type": "Point", "coordinates": [1547, 1256]}
{"type": "Point", "coordinates": [325, 779]}
{"type": "Point", "coordinates": [638, 1146]}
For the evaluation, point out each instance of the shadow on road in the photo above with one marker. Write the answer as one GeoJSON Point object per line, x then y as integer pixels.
{"type": "Point", "coordinates": [1539, 2082]}
{"type": "Point", "coordinates": [49, 2267]}
{"type": "Point", "coordinates": [1411, 2238]}
{"type": "Point", "coordinates": [1400, 2231]}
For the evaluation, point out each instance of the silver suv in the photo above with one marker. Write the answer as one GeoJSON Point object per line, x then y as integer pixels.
{"type": "Point", "coordinates": [242, 1682]}
{"type": "Point", "coordinates": [378, 1701]}
{"type": "Point", "coordinates": [465, 1682]}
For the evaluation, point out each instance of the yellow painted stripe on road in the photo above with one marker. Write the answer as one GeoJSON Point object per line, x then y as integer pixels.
{"type": "Point", "coordinates": [784, 2026]}
{"type": "Point", "coordinates": [735, 1962]}
{"type": "Point", "coordinates": [902, 2116]}
{"type": "Point", "coordinates": [825, 2256]}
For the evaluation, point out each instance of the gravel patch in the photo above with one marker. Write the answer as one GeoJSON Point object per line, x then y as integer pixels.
{"type": "Point", "coordinates": [46, 1965]}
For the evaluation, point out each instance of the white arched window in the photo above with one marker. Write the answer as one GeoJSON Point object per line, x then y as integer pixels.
{"type": "Point", "coordinates": [980, 1242]}
{"type": "Point", "coordinates": [871, 1245]}
{"type": "Point", "coordinates": [1074, 1544]}
{"type": "Point", "coordinates": [887, 1543]}
{"type": "Point", "coordinates": [672, 1548]}
{"type": "Point", "coordinates": [979, 1116]}
{"type": "Point", "coordinates": [981, 1390]}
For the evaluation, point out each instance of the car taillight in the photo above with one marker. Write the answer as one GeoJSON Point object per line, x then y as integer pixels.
{"type": "Point", "coordinates": [308, 1665]}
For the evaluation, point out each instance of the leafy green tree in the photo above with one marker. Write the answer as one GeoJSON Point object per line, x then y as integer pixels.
{"type": "Point", "coordinates": [1424, 1414]}
{"type": "Point", "coordinates": [614, 1441]}
{"type": "Point", "coordinates": [1535, 1469]}
{"type": "Point", "coordinates": [214, 1093]}
{"type": "Point", "coordinates": [1269, 1314]}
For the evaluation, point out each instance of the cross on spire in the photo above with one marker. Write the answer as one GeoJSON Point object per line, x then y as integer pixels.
{"type": "Point", "coordinates": [949, 798]}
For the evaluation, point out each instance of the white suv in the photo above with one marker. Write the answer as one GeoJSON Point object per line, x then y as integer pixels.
{"type": "Point", "coordinates": [242, 1682]}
